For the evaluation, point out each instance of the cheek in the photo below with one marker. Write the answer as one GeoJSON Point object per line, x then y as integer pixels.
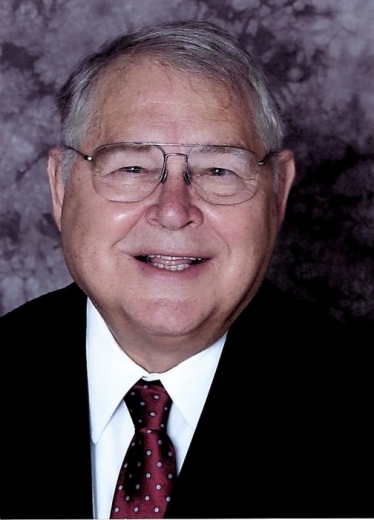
{"type": "Point", "coordinates": [86, 228]}
{"type": "Point", "coordinates": [250, 239]}
{"type": "Point", "coordinates": [87, 217]}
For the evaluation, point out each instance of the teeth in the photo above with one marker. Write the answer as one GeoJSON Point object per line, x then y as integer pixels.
{"type": "Point", "coordinates": [164, 257]}
{"type": "Point", "coordinates": [171, 263]}
{"type": "Point", "coordinates": [179, 267]}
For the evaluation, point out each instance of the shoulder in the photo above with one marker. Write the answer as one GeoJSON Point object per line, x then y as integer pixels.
{"type": "Point", "coordinates": [50, 325]}
{"type": "Point", "coordinates": [300, 346]}
{"type": "Point", "coordinates": [44, 397]}
{"type": "Point", "coordinates": [274, 313]}
{"type": "Point", "coordinates": [43, 348]}
{"type": "Point", "coordinates": [56, 305]}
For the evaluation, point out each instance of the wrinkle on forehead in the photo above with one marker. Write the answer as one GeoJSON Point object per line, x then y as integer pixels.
{"type": "Point", "coordinates": [173, 103]}
{"type": "Point", "coordinates": [118, 74]}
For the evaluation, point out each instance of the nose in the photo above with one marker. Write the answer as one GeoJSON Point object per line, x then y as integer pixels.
{"type": "Point", "coordinates": [174, 201]}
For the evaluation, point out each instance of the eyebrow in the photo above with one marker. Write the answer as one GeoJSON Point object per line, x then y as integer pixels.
{"type": "Point", "coordinates": [218, 146]}
{"type": "Point", "coordinates": [225, 148]}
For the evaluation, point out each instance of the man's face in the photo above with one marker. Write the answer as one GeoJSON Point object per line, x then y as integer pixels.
{"type": "Point", "coordinates": [105, 242]}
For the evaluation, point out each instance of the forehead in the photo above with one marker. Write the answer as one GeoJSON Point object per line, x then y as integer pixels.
{"type": "Point", "coordinates": [149, 102]}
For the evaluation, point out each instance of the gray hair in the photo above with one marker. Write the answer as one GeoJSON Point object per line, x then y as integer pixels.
{"type": "Point", "coordinates": [194, 47]}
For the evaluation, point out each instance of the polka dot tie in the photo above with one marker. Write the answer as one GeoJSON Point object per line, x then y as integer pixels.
{"type": "Point", "coordinates": [148, 471]}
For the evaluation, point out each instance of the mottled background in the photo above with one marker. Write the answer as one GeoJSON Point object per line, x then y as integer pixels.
{"type": "Point", "coordinates": [318, 55]}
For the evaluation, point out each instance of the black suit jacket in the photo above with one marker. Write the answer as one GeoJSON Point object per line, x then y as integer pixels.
{"type": "Point", "coordinates": [286, 430]}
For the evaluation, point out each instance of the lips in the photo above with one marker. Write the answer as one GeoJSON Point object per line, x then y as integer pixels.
{"type": "Point", "coordinates": [171, 263]}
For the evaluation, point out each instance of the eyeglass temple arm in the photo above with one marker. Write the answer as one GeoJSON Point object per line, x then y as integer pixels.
{"type": "Point", "coordinates": [88, 158]}
{"type": "Point", "coordinates": [267, 157]}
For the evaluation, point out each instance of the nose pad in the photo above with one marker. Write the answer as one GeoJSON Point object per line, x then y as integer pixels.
{"type": "Point", "coordinates": [174, 207]}
{"type": "Point", "coordinates": [186, 175]}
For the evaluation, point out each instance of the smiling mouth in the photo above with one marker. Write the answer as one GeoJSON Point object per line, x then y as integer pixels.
{"type": "Point", "coordinates": [171, 263]}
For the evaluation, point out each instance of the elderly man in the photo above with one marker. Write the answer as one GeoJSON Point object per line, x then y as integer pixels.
{"type": "Point", "coordinates": [170, 380]}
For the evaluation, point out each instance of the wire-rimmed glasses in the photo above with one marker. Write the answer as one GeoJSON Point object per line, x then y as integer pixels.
{"type": "Point", "coordinates": [130, 172]}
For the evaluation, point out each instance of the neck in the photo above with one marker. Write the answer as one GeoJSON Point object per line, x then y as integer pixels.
{"type": "Point", "coordinates": [160, 353]}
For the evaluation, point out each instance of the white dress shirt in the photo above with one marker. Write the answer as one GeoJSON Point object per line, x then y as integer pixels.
{"type": "Point", "coordinates": [111, 373]}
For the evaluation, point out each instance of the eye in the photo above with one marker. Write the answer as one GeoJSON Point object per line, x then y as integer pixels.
{"type": "Point", "coordinates": [120, 172]}
{"type": "Point", "coordinates": [219, 172]}
{"type": "Point", "coordinates": [132, 169]}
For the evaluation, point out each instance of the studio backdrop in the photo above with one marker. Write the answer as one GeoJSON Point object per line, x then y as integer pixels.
{"type": "Point", "coordinates": [319, 58]}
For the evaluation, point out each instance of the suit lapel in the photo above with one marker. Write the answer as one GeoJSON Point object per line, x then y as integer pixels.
{"type": "Point", "coordinates": [230, 438]}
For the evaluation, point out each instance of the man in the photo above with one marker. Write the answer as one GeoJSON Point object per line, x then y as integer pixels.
{"type": "Point", "coordinates": [169, 190]}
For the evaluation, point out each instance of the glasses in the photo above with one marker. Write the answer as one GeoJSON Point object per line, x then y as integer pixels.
{"type": "Point", "coordinates": [130, 172]}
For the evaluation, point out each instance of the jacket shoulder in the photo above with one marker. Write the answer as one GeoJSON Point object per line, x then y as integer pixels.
{"type": "Point", "coordinates": [274, 312]}
{"type": "Point", "coordinates": [52, 323]}
{"type": "Point", "coordinates": [44, 407]}
{"type": "Point", "coordinates": [56, 305]}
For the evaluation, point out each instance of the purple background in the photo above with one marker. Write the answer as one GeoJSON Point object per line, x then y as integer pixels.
{"type": "Point", "coordinates": [318, 55]}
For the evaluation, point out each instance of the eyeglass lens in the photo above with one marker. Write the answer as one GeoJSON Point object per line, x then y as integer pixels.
{"type": "Point", "coordinates": [131, 172]}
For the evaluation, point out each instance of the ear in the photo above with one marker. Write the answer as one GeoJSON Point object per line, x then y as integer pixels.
{"type": "Point", "coordinates": [56, 184]}
{"type": "Point", "coordinates": [286, 178]}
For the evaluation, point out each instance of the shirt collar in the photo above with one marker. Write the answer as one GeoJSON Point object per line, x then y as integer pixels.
{"type": "Point", "coordinates": [111, 374]}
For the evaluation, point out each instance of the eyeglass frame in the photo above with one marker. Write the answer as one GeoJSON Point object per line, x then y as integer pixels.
{"type": "Point", "coordinates": [166, 155]}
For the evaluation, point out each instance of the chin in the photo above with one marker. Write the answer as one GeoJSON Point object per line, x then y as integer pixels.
{"type": "Point", "coordinates": [170, 319]}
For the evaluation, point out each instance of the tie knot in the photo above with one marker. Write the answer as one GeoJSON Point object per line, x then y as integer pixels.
{"type": "Point", "coordinates": [149, 405]}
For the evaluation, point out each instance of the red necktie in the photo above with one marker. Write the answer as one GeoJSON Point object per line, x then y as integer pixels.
{"type": "Point", "coordinates": [149, 470]}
